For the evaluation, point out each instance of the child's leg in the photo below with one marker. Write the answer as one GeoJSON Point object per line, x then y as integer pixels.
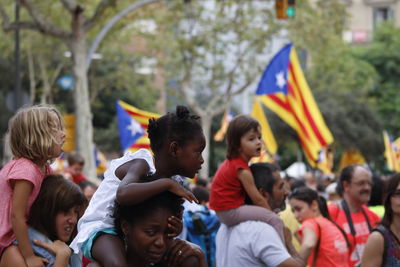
{"type": "Point", "coordinates": [251, 213]}
{"type": "Point", "coordinates": [109, 251]}
{"type": "Point", "coordinates": [12, 257]}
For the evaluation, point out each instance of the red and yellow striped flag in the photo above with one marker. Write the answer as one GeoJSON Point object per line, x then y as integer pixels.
{"type": "Point", "coordinates": [132, 124]}
{"type": "Point", "coordinates": [391, 151]}
{"type": "Point", "coordinates": [284, 89]}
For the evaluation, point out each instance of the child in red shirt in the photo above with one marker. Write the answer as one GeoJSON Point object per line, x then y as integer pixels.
{"type": "Point", "coordinates": [74, 172]}
{"type": "Point", "coordinates": [233, 179]}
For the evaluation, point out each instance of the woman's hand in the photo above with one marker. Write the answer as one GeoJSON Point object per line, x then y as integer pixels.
{"type": "Point", "coordinates": [175, 226]}
{"type": "Point", "coordinates": [179, 250]}
{"type": "Point", "coordinates": [179, 190]}
{"type": "Point", "coordinates": [57, 247]}
{"type": "Point", "coordinates": [61, 251]}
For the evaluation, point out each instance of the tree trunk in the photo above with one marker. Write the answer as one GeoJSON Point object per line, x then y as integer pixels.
{"type": "Point", "coordinates": [84, 128]}
{"type": "Point", "coordinates": [206, 125]}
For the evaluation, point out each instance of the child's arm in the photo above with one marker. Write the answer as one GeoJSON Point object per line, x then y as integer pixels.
{"type": "Point", "coordinates": [131, 192]}
{"type": "Point", "coordinates": [21, 192]}
{"type": "Point", "coordinates": [247, 180]}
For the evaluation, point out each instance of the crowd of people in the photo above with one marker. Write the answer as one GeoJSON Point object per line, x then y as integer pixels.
{"type": "Point", "coordinates": [145, 213]}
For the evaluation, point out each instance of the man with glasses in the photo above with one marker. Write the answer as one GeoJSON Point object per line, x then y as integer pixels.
{"type": "Point", "coordinates": [352, 214]}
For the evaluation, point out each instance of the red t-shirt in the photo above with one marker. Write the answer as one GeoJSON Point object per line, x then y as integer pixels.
{"type": "Point", "coordinates": [76, 178]}
{"type": "Point", "coordinates": [360, 226]}
{"type": "Point", "coordinates": [227, 191]}
{"type": "Point", "coordinates": [333, 250]}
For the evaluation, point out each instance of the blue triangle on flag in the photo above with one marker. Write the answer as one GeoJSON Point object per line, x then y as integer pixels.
{"type": "Point", "coordinates": [130, 129]}
{"type": "Point", "coordinates": [275, 76]}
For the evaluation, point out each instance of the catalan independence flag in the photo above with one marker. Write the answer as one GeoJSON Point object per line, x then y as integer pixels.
{"type": "Point", "coordinates": [132, 125]}
{"type": "Point", "coordinates": [391, 151]}
{"type": "Point", "coordinates": [270, 146]}
{"type": "Point", "coordinates": [284, 89]}
{"type": "Point", "coordinates": [220, 134]}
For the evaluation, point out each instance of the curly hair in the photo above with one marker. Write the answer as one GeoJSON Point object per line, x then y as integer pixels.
{"type": "Point", "coordinates": [179, 126]}
{"type": "Point", "coordinates": [132, 213]}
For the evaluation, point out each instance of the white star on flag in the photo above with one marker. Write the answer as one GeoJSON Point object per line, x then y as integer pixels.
{"type": "Point", "coordinates": [135, 127]}
{"type": "Point", "coordinates": [280, 79]}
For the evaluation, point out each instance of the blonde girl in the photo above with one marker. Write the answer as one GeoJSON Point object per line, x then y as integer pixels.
{"type": "Point", "coordinates": [36, 136]}
{"type": "Point", "coordinates": [233, 180]}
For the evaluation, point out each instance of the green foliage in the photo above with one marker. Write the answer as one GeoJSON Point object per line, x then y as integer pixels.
{"type": "Point", "coordinates": [339, 79]}
{"type": "Point", "coordinates": [383, 54]}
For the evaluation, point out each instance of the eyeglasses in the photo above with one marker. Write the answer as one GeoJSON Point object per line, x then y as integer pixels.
{"type": "Point", "coordinates": [363, 183]}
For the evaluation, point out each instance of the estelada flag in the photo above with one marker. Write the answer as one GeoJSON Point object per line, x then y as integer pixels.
{"type": "Point", "coordinates": [284, 89]}
{"type": "Point", "coordinates": [351, 156]}
{"type": "Point", "coordinates": [132, 125]}
{"type": "Point", "coordinates": [220, 134]}
{"type": "Point", "coordinates": [391, 151]}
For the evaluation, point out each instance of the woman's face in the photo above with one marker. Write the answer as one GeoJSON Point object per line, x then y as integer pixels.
{"type": "Point", "coordinates": [302, 210]}
{"type": "Point", "coordinates": [147, 238]}
{"type": "Point", "coordinates": [395, 201]}
{"type": "Point", "coordinates": [66, 222]}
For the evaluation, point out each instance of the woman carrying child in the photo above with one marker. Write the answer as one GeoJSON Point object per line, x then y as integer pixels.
{"type": "Point", "coordinates": [177, 142]}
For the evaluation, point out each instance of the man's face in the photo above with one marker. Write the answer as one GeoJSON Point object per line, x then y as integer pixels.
{"type": "Point", "coordinates": [359, 188]}
{"type": "Point", "coordinates": [279, 193]}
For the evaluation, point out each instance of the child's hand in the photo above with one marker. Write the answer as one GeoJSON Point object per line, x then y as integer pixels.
{"type": "Point", "coordinates": [179, 190]}
{"type": "Point", "coordinates": [57, 247]}
{"type": "Point", "coordinates": [175, 226]}
{"type": "Point", "coordinates": [35, 261]}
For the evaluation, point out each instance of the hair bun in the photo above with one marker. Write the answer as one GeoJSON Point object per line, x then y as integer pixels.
{"type": "Point", "coordinates": [182, 112]}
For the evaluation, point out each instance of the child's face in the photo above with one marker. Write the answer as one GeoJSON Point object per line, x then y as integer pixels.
{"type": "Point", "coordinates": [190, 156]}
{"type": "Point", "coordinates": [250, 144]}
{"type": "Point", "coordinates": [76, 168]}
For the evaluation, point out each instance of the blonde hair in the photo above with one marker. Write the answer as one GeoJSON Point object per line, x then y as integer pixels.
{"type": "Point", "coordinates": [32, 133]}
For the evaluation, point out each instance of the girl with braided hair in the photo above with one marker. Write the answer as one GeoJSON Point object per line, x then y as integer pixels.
{"type": "Point", "coordinates": [177, 141]}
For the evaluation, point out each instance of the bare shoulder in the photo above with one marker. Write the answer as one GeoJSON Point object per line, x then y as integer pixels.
{"type": "Point", "coordinates": [376, 238]}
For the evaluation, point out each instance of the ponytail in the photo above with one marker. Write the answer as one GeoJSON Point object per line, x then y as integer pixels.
{"type": "Point", "coordinates": [323, 209]}
{"type": "Point", "coordinates": [308, 195]}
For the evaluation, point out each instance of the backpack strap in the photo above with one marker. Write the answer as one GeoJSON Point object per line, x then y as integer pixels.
{"type": "Point", "coordinates": [382, 229]}
{"type": "Point", "coordinates": [346, 209]}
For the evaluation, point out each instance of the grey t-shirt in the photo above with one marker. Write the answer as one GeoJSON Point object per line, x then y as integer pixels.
{"type": "Point", "coordinates": [250, 243]}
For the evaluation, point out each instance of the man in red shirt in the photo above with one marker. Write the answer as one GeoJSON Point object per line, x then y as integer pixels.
{"type": "Point", "coordinates": [351, 214]}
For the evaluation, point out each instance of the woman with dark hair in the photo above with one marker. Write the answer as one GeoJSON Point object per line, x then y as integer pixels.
{"type": "Point", "coordinates": [323, 242]}
{"type": "Point", "coordinates": [383, 246]}
{"type": "Point", "coordinates": [143, 227]}
{"type": "Point", "coordinates": [52, 222]}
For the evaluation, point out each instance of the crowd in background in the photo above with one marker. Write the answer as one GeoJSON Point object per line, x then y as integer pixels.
{"type": "Point", "coordinates": [245, 215]}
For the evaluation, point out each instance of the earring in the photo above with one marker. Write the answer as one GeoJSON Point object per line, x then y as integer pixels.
{"type": "Point", "coordinates": [125, 241]}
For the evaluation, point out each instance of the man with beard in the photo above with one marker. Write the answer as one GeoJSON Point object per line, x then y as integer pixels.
{"type": "Point", "coordinates": [255, 243]}
{"type": "Point", "coordinates": [351, 214]}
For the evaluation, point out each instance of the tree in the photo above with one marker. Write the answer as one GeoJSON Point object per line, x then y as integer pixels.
{"type": "Point", "coordinates": [339, 80]}
{"type": "Point", "coordinates": [38, 19]}
{"type": "Point", "coordinates": [383, 54]}
{"type": "Point", "coordinates": [213, 52]}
